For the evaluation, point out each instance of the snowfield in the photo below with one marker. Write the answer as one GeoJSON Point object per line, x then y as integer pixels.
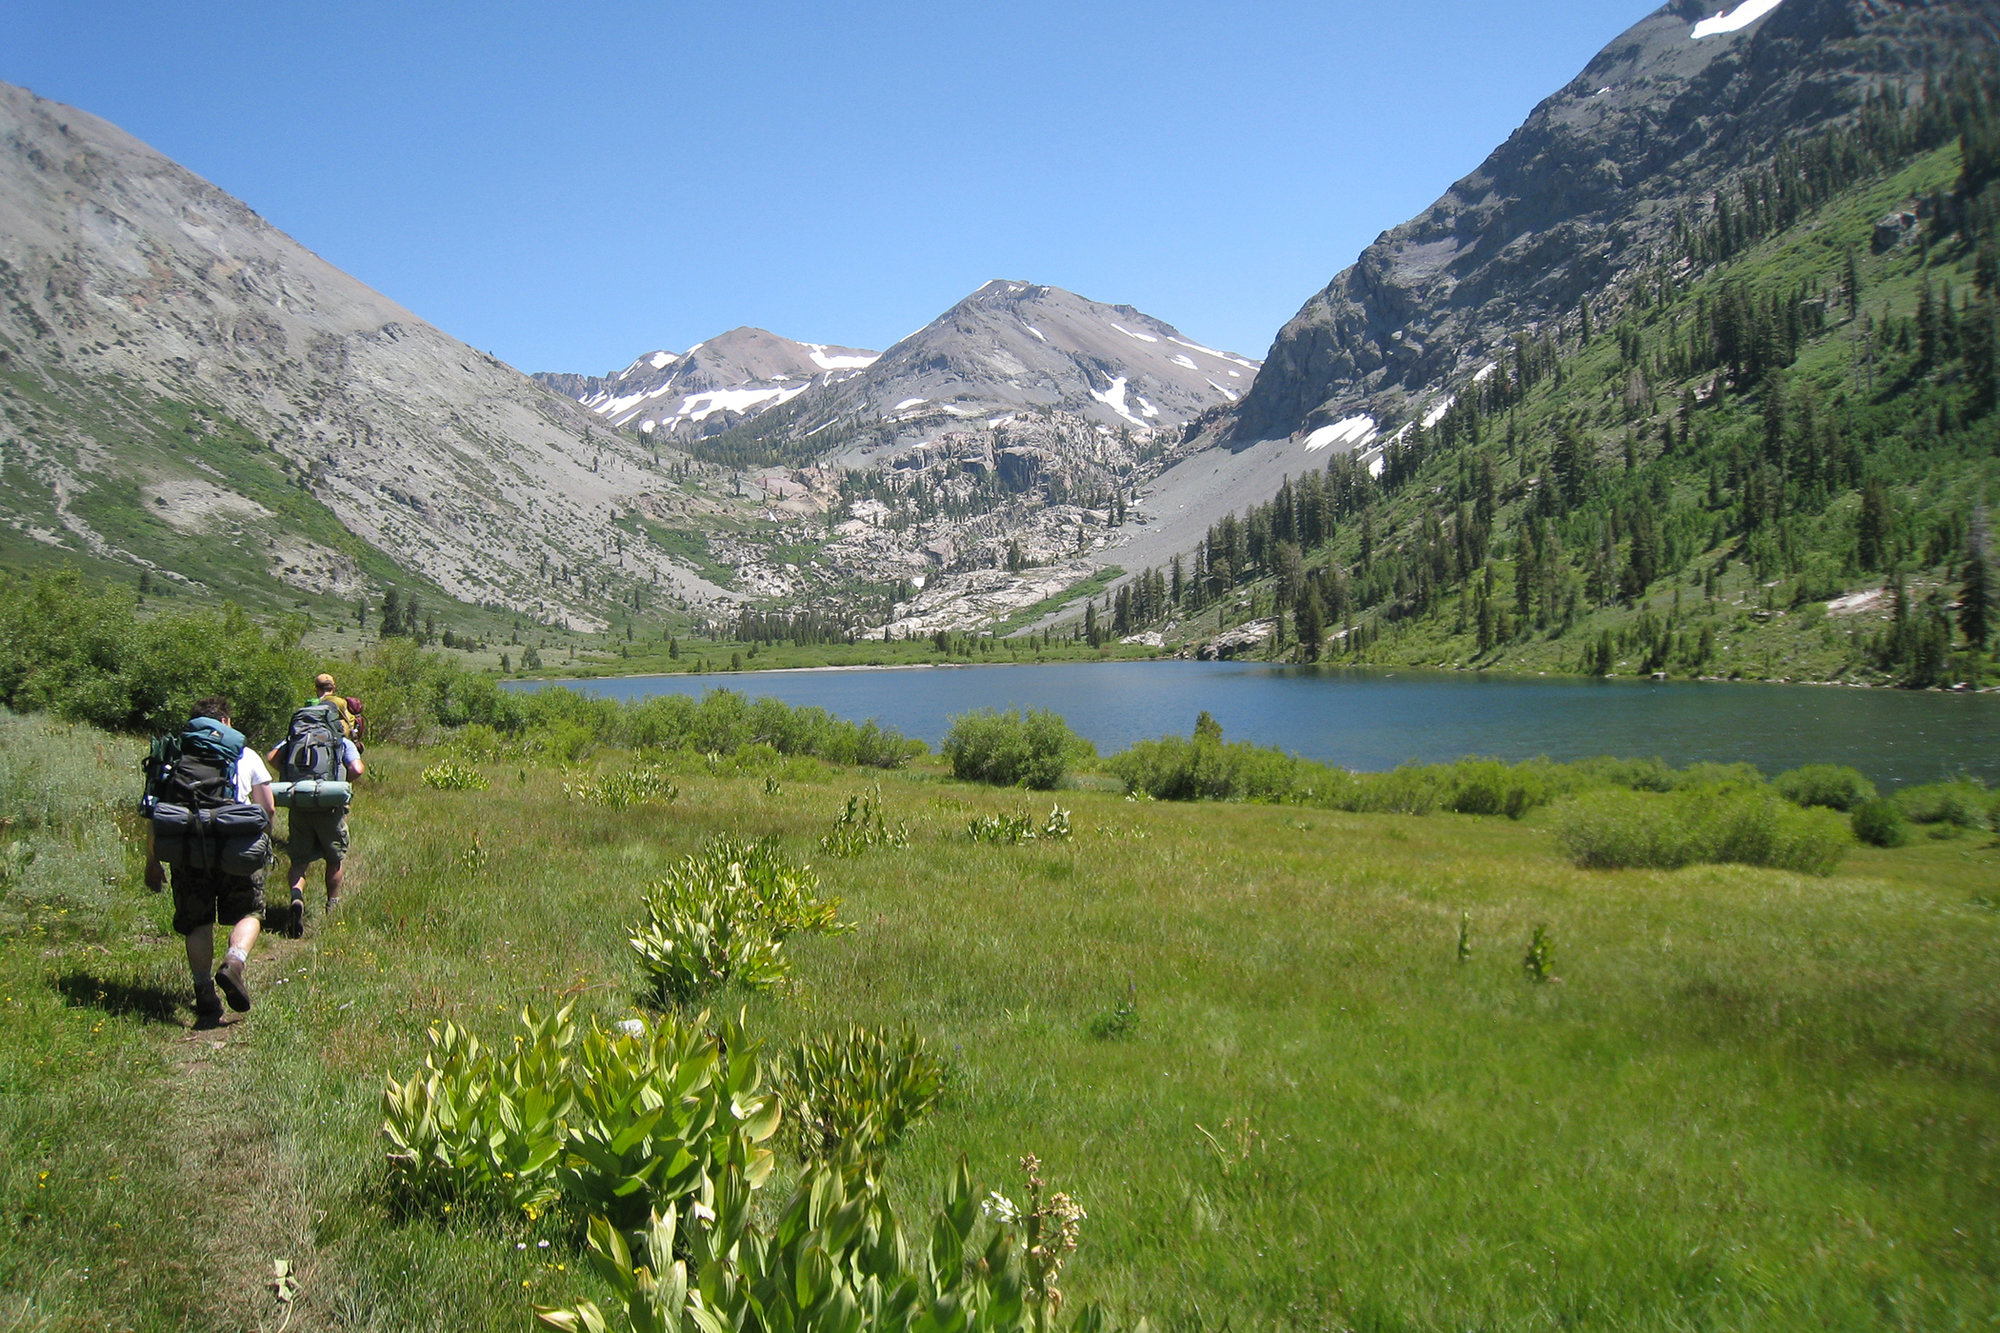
{"type": "Point", "coordinates": [828, 361]}
{"type": "Point", "coordinates": [701, 406]}
{"type": "Point", "coordinates": [1348, 432]}
{"type": "Point", "coordinates": [1734, 20]}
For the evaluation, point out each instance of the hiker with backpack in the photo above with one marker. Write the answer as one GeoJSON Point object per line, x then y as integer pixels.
{"type": "Point", "coordinates": [319, 763]}
{"type": "Point", "coordinates": [209, 811]}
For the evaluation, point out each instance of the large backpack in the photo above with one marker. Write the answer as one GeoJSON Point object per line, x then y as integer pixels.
{"type": "Point", "coordinates": [312, 746]}
{"type": "Point", "coordinates": [191, 801]}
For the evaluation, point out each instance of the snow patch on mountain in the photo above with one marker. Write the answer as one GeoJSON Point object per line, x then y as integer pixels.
{"type": "Point", "coordinates": [831, 361]}
{"type": "Point", "coordinates": [701, 406]}
{"type": "Point", "coordinates": [1734, 20]}
{"type": "Point", "coordinates": [1114, 397]}
{"type": "Point", "coordinates": [1142, 337]}
{"type": "Point", "coordinates": [1210, 351]}
{"type": "Point", "coordinates": [1348, 432]}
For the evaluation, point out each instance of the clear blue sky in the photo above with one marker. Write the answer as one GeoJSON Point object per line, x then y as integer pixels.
{"type": "Point", "coordinates": [569, 185]}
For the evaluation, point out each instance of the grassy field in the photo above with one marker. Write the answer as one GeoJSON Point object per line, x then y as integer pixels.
{"type": "Point", "coordinates": [1753, 1099]}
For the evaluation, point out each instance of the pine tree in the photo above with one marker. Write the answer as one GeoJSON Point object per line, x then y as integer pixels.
{"type": "Point", "coordinates": [1311, 618]}
{"type": "Point", "coordinates": [1872, 530]}
{"type": "Point", "coordinates": [1975, 594]}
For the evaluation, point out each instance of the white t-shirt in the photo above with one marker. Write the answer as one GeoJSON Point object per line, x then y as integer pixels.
{"type": "Point", "coordinates": [250, 773]}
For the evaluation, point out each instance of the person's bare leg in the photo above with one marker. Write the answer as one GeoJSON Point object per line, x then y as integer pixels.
{"type": "Point", "coordinates": [229, 979]}
{"type": "Point", "coordinates": [244, 934]}
{"type": "Point", "coordinates": [335, 872]}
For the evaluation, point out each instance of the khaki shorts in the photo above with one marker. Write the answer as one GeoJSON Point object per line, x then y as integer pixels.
{"type": "Point", "coordinates": [316, 835]}
{"type": "Point", "coordinates": [204, 897]}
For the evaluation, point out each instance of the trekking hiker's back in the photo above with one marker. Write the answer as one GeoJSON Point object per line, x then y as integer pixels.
{"type": "Point", "coordinates": [208, 808]}
{"type": "Point", "coordinates": [318, 761]}
{"type": "Point", "coordinates": [312, 746]}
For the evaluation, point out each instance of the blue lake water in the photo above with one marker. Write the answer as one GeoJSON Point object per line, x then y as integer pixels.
{"type": "Point", "coordinates": [1375, 719]}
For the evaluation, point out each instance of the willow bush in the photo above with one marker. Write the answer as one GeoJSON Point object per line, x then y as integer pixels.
{"type": "Point", "coordinates": [1614, 830]}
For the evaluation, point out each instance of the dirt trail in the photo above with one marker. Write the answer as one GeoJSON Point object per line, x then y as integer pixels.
{"type": "Point", "coordinates": [242, 1184]}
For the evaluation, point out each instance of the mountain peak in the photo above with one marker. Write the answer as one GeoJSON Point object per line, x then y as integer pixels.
{"type": "Point", "coordinates": [1579, 196]}
{"type": "Point", "coordinates": [1008, 348]}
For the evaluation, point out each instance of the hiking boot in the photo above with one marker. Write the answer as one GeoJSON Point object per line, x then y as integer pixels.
{"type": "Point", "coordinates": [207, 1008]}
{"type": "Point", "coordinates": [229, 980]}
{"type": "Point", "coordinates": [332, 900]}
{"type": "Point", "coordinates": [295, 919]}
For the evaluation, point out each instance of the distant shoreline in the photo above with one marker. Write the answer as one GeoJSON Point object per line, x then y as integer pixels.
{"type": "Point", "coordinates": [1493, 673]}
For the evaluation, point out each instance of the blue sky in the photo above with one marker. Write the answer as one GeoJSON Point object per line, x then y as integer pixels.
{"type": "Point", "coordinates": [568, 186]}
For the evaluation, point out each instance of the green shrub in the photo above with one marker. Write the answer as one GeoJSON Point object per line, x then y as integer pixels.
{"type": "Point", "coordinates": [1204, 767]}
{"type": "Point", "coordinates": [1880, 824]}
{"type": "Point", "coordinates": [1033, 748]}
{"type": "Point", "coordinates": [1750, 826]}
{"type": "Point", "coordinates": [1965, 803]}
{"type": "Point", "coordinates": [722, 914]}
{"type": "Point", "coordinates": [623, 788]}
{"type": "Point", "coordinates": [724, 721]}
{"type": "Point", "coordinates": [861, 825]}
{"type": "Point", "coordinates": [1412, 789]}
{"type": "Point", "coordinates": [612, 1124]}
{"type": "Point", "coordinates": [1833, 786]}
{"type": "Point", "coordinates": [839, 1258]}
{"type": "Point", "coordinates": [857, 1091]}
{"type": "Point", "coordinates": [1632, 774]}
{"type": "Point", "coordinates": [1696, 776]}
{"type": "Point", "coordinates": [413, 696]}
{"type": "Point", "coordinates": [445, 775]}
{"type": "Point", "coordinates": [1207, 768]}
{"type": "Point", "coordinates": [89, 657]}
{"type": "Point", "coordinates": [1489, 787]}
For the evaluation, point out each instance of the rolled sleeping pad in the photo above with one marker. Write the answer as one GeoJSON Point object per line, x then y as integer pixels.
{"type": "Point", "coordinates": [313, 794]}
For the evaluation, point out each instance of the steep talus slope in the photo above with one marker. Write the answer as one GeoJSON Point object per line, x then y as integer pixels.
{"type": "Point", "coordinates": [1586, 188]}
{"type": "Point", "coordinates": [714, 385]}
{"type": "Point", "coordinates": [177, 371]}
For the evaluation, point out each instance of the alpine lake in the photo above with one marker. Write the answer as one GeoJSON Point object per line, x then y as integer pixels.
{"type": "Point", "coordinates": [1373, 719]}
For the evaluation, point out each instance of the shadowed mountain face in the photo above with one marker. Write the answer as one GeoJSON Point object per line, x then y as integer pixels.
{"type": "Point", "coordinates": [1578, 196]}
{"type": "Point", "coordinates": [178, 373]}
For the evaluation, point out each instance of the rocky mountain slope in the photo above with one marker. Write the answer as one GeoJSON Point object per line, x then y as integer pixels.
{"type": "Point", "coordinates": [186, 391]}
{"type": "Point", "coordinates": [980, 465]}
{"type": "Point", "coordinates": [713, 385]}
{"type": "Point", "coordinates": [1586, 193]}
{"type": "Point", "coordinates": [1009, 353]}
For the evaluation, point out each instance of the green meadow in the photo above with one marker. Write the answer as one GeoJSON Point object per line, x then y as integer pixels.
{"type": "Point", "coordinates": [1287, 1059]}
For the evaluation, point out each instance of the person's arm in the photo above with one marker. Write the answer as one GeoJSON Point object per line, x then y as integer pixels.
{"type": "Point", "coordinates": [351, 756]}
{"type": "Point", "coordinates": [248, 769]}
{"type": "Point", "coordinates": [272, 757]}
